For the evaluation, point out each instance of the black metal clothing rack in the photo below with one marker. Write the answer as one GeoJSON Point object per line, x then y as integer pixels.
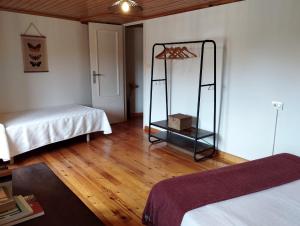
{"type": "Point", "coordinates": [191, 140]}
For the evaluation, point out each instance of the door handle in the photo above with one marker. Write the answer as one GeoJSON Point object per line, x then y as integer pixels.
{"type": "Point", "coordinates": [96, 75]}
{"type": "Point", "coordinates": [133, 86]}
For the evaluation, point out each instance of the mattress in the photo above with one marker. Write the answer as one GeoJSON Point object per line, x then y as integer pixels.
{"type": "Point", "coordinates": [273, 207]}
{"type": "Point", "coordinates": [24, 131]}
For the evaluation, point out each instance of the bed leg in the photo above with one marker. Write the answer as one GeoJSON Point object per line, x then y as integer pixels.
{"type": "Point", "coordinates": [12, 160]}
{"type": "Point", "coordinates": [88, 138]}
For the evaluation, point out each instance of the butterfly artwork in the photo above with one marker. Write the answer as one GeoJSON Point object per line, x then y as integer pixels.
{"type": "Point", "coordinates": [35, 64]}
{"type": "Point", "coordinates": [34, 48]}
{"type": "Point", "coordinates": [34, 53]}
{"type": "Point", "coordinates": [35, 57]}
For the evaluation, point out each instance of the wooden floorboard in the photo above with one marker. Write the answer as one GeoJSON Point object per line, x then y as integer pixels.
{"type": "Point", "coordinates": [113, 174]}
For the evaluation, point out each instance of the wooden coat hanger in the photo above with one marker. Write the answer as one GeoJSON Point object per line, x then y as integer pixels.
{"type": "Point", "coordinates": [186, 49]}
{"type": "Point", "coordinates": [178, 53]}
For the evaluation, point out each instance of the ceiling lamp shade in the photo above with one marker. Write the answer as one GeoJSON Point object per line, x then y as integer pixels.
{"type": "Point", "coordinates": [125, 6]}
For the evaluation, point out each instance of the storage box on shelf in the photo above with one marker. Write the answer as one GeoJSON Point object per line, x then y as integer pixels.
{"type": "Point", "coordinates": [180, 121]}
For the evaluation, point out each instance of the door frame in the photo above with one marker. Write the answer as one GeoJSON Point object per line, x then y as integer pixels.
{"type": "Point", "coordinates": [133, 24]}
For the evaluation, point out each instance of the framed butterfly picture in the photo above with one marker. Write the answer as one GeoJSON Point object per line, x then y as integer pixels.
{"type": "Point", "coordinates": [35, 56]}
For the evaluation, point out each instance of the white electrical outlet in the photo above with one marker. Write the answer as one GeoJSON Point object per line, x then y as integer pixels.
{"type": "Point", "coordinates": [277, 105]}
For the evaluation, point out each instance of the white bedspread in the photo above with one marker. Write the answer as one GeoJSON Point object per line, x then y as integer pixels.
{"type": "Point", "coordinates": [278, 206]}
{"type": "Point", "coordinates": [24, 131]}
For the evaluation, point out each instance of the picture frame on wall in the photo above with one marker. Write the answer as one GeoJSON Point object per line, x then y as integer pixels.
{"type": "Point", "coordinates": [35, 56]}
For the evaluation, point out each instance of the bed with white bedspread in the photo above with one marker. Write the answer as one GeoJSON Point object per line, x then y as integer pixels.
{"type": "Point", "coordinates": [272, 207]}
{"type": "Point", "coordinates": [24, 131]}
{"type": "Point", "coordinates": [259, 192]}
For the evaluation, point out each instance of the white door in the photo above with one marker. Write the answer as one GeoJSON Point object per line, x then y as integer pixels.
{"type": "Point", "coordinates": [107, 78]}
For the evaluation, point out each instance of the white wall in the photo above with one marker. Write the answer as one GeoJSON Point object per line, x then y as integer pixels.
{"type": "Point", "coordinates": [260, 63]}
{"type": "Point", "coordinates": [68, 79]}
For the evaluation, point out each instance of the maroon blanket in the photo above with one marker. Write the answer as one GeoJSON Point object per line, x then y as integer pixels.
{"type": "Point", "coordinates": [170, 199]}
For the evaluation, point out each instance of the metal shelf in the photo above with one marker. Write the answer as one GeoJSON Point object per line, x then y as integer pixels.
{"type": "Point", "coordinates": [187, 139]}
{"type": "Point", "coordinates": [187, 132]}
{"type": "Point", "coordinates": [183, 142]}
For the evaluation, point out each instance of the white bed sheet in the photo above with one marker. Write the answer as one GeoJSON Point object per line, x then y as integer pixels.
{"type": "Point", "coordinates": [278, 206]}
{"type": "Point", "coordinates": [24, 131]}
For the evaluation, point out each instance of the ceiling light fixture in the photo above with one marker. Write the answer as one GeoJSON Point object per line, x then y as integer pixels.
{"type": "Point", "coordinates": [125, 6]}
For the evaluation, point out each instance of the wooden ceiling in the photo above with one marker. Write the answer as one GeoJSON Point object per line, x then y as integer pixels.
{"type": "Point", "coordinates": [97, 10]}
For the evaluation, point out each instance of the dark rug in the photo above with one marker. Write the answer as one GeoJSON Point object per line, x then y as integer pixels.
{"type": "Point", "coordinates": [62, 207]}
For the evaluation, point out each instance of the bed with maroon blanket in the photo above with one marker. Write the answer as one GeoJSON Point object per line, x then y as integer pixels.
{"type": "Point", "coordinates": [170, 199]}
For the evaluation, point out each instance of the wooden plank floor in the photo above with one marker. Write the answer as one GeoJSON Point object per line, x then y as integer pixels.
{"type": "Point", "coordinates": [113, 174]}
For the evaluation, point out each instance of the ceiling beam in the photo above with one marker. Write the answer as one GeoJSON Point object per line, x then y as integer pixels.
{"type": "Point", "coordinates": [191, 8]}
{"type": "Point", "coordinates": [118, 18]}
{"type": "Point", "coordinates": [31, 12]}
{"type": "Point", "coordinates": [134, 18]}
{"type": "Point", "coordinates": [103, 15]}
